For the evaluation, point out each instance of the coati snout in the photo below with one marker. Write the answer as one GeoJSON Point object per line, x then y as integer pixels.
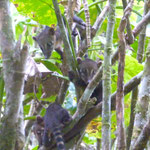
{"type": "Point", "coordinates": [87, 69]}
{"type": "Point", "coordinates": [38, 129]}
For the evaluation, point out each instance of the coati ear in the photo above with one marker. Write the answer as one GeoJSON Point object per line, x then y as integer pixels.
{"type": "Point", "coordinates": [79, 60]}
{"type": "Point", "coordinates": [34, 38]}
{"type": "Point", "coordinates": [39, 119]}
{"type": "Point", "coordinates": [51, 31]}
{"type": "Point", "coordinates": [86, 56]}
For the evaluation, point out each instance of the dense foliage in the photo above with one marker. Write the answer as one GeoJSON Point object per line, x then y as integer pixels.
{"type": "Point", "coordinates": [34, 14]}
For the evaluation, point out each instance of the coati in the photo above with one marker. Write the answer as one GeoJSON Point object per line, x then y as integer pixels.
{"type": "Point", "coordinates": [38, 129]}
{"type": "Point", "coordinates": [87, 69]}
{"type": "Point", "coordinates": [50, 39]}
{"type": "Point", "coordinates": [54, 120]}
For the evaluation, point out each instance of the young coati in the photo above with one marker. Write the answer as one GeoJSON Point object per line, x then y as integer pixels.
{"type": "Point", "coordinates": [38, 129]}
{"type": "Point", "coordinates": [50, 39]}
{"type": "Point", "coordinates": [87, 69]}
{"type": "Point", "coordinates": [54, 120]}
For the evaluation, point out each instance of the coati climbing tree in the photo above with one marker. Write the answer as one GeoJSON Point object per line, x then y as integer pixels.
{"type": "Point", "coordinates": [43, 81]}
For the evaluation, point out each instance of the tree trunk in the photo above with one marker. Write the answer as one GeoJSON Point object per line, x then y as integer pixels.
{"type": "Point", "coordinates": [143, 101]}
{"type": "Point", "coordinates": [13, 70]}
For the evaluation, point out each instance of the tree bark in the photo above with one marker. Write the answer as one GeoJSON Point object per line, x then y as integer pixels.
{"type": "Point", "coordinates": [106, 109]}
{"type": "Point", "coordinates": [14, 60]}
{"type": "Point", "coordinates": [143, 99]}
{"type": "Point", "coordinates": [121, 139]}
{"type": "Point", "coordinates": [140, 54]}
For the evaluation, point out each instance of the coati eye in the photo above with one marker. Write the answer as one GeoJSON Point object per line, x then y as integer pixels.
{"type": "Point", "coordinates": [83, 70]}
{"type": "Point", "coordinates": [93, 72]}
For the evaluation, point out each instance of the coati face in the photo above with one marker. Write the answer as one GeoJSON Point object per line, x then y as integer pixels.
{"type": "Point", "coordinates": [45, 40]}
{"type": "Point", "coordinates": [38, 129]}
{"type": "Point", "coordinates": [87, 69]}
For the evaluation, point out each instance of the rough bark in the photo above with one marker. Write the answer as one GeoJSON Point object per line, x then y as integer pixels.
{"type": "Point", "coordinates": [140, 54]}
{"type": "Point", "coordinates": [14, 59]}
{"type": "Point", "coordinates": [121, 139]}
{"type": "Point", "coordinates": [1, 92]}
{"type": "Point", "coordinates": [143, 99]}
{"type": "Point", "coordinates": [106, 109]}
{"type": "Point", "coordinates": [143, 137]}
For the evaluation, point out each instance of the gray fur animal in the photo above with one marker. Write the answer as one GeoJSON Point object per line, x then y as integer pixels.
{"type": "Point", "coordinates": [50, 39]}
{"type": "Point", "coordinates": [87, 69]}
{"type": "Point", "coordinates": [55, 119]}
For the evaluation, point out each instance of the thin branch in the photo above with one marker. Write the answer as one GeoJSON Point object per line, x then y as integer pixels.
{"type": "Point", "coordinates": [91, 5]}
{"type": "Point", "coordinates": [106, 110]}
{"type": "Point", "coordinates": [145, 20]}
{"type": "Point", "coordinates": [128, 27]}
{"type": "Point", "coordinates": [67, 47]}
{"type": "Point", "coordinates": [88, 26]}
{"type": "Point", "coordinates": [62, 92]}
{"type": "Point", "coordinates": [96, 26]}
{"type": "Point", "coordinates": [135, 31]}
{"type": "Point", "coordinates": [121, 139]}
{"type": "Point", "coordinates": [140, 54]}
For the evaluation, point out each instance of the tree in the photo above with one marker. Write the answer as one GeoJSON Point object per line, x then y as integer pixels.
{"type": "Point", "coordinates": [14, 58]}
{"type": "Point", "coordinates": [37, 82]}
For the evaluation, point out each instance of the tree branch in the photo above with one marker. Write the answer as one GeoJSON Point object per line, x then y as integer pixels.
{"type": "Point", "coordinates": [96, 26]}
{"type": "Point", "coordinates": [67, 46]}
{"type": "Point", "coordinates": [143, 137]}
{"type": "Point", "coordinates": [106, 109]}
{"type": "Point", "coordinates": [96, 110]}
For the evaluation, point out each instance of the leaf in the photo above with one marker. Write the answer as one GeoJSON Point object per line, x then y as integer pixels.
{"type": "Point", "coordinates": [35, 148]}
{"type": "Point", "coordinates": [41, 11]}
{"type": "Point", "coordinates": [30, 118]}
{"type": "Point", "coordinates": [51, 66]}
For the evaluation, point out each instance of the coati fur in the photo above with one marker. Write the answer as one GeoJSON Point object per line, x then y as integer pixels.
{"type": "Point", "coordinates": [54, 120]}
{"type": "Point", "coordinates": [87, 69]}
{"type": "Point", "coordinates": [38, 129]}
{"type": "Point", "coordinates": [50, 39]}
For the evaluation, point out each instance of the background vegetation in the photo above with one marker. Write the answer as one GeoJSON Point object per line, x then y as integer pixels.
{"type": "Point", "coordinates": [32, 15]}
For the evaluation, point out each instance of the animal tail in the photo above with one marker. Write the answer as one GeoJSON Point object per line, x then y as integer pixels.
{"type": "Point", "coordinates": [59, 138]}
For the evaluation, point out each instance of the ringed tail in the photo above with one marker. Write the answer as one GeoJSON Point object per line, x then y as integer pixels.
{"type": "Point", "coordinates": [58, 138]}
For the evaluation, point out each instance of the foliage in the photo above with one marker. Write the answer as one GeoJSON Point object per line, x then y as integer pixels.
{"type": "Point", "coordinates": [41, 12]}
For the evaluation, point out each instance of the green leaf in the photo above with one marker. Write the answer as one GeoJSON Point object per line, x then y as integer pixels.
{"type": "Point", "coordinates": [30, 118]}
{"type": "Point", "coordinates": [35, 148]}
{"type": "Point", "coordinates": [41, 11]}
{"type": "Point", "coordinates": [51, 66]}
